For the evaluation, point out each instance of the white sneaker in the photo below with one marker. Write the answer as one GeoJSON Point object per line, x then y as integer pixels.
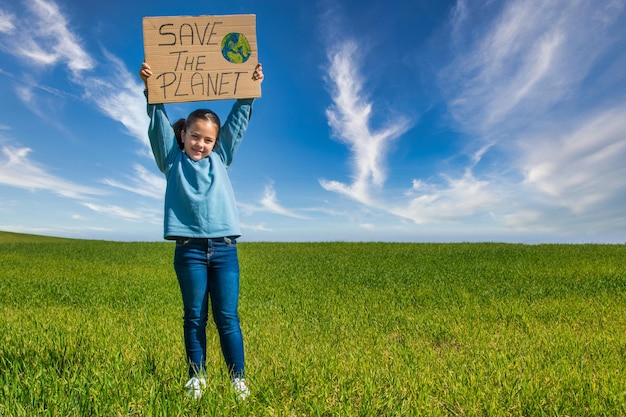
{"type": "Point", "coordinates": [195, 386]}
{"type": "Point", "coordinates": [240, 388]}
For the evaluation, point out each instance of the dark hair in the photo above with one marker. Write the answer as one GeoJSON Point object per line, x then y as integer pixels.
{"type": "Point", "coordinates": [199, 114]}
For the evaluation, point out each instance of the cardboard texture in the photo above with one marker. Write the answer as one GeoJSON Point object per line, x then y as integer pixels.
{"type": "Point", "coordinates": [201, 58]}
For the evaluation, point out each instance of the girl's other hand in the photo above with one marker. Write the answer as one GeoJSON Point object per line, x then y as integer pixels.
{"type": "Point", "coordinates": [257, 75]}
{"type": "Point", "coordinates": [145, 72]}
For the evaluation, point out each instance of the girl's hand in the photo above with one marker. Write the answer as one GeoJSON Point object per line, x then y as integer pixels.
{"type": "Point", "coordinates": [257, 75]}
{"type": "Point", "coordinates": [145, 72]}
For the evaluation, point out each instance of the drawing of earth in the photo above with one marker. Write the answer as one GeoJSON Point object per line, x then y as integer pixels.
{"type": "Point", "coordinates": [235, 48]}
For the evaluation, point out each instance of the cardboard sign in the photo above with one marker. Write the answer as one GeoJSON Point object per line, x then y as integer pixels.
{"type": "Point", "coordinates": [199, 58]}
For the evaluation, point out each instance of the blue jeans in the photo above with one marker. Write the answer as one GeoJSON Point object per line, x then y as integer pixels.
{"type": "Point", "coordinates": [208, 270]}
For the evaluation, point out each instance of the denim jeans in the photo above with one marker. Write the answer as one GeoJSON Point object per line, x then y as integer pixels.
{"type": "Point", "coordinates": [208, 271]}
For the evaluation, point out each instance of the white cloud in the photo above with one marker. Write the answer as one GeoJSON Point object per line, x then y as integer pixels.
{"type": "Point", "coordinates": [17, 169]}
{"type": "Point", "coordinates": [349, 119]}
{"type": "Point", "coordinates": [51, 41]}
{"type": "Point", "coordinates": [459, 199]}
{"type": "Point", "coordinates": [519, 64]}
{"type": "Point", "coordinates": [542, 152]}
{"type": "Point", "coordinates": [18, 228]}
{"type": "Point", "coordinates": [270, 203]}
{"type": "Point", "coordinates": [583, 169]}
{"type": "Point", "coordinates": [6, 22]}
{"type": "Point", "coordinates": [44, 110]}
{"type": "Point", "coordinates": [256, 227]}
{"type": "Point", "coordinates": [143, 182]}
{"type": "Point", "coordinates": [48, 40]}
{"type": "Point", "coordinates": [24, 94]}
{"type": "Point", "coordinates": [143, 215]}
{"type": "Point", "coordinates": [523, 83]}
{"type": "Point", "coordinates": [120, 97]}
{"type": "Point", "coordinates": [78, 232]}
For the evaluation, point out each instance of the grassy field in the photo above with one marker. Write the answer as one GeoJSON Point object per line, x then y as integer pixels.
{"type": "Point", "coordinates": [93, 328]}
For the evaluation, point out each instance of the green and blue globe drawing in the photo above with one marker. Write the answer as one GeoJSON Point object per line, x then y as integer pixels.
{"type": "Point", "coordinates": [235, 48]}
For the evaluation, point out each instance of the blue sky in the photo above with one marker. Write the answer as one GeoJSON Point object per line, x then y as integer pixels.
{"type": "Point", "coordinates": [412, 120]}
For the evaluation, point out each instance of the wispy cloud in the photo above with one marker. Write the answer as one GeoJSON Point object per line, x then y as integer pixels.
{"type": "Point", "coordinates": [29, 82]}
{"type": "Point", "coordinates": [350, 118]}
{"type": "Point", "coordinates": [79, 231]}
{"type": "Point", "coordinates": [18, 170]}
{"type": "Point", "coordinates": [46, 107]}
{"type": "Point", "coordinates": [524, 82]}
{"type": "Point", "coordinates": [457, 199]}
{"type": "Point", "coordinates": [6, 22]}
{"type": "Point", "coordinates": [48, 40]}
{"type": "Point", "coordinates": [136, 214]}
{"type": "Point", "coordinates": [262, 227]}
{"type": "Point", "coordinates": [143, 183]}
{"type": "Point", "coordinates": [269, 204]}
{"type": "Point", "coordinates": [542, 151]}
{"type": "Point", "coordinates": [120, 97]}
{"type": "Point", "coordinates": [581, 170]}
{"type": "Point", "coordinates": [113, 90]}
{"type": "Point", "coordinates": [521, 62]}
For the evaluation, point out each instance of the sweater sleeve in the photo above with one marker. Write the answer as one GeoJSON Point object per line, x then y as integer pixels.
{"type": "Point", "coordinates": [231, 133]}
{"type": "Point", "coordinates": [161, 135]}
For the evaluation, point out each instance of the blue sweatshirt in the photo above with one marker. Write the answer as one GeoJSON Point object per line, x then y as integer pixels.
{"type": "Point", "coordinates": [199, 199]}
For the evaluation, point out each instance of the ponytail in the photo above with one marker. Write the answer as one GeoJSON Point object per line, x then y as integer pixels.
{"type": "Point", "coordinates": [178, 127]}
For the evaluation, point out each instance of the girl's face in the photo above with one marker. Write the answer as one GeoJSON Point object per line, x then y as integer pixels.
{"type": "Point", "coordinates": [199, 139]}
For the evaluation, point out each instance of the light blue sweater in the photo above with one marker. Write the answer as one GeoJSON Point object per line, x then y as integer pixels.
{"type": "Point", "coordinates": [199, 199]}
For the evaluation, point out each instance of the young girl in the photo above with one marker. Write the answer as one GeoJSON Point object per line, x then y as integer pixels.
{"type": "Point", "coordinates": [201, 215]}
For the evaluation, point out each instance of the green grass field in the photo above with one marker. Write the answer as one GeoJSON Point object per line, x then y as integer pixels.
{"type": "Point", "coordinates": [93, 328]}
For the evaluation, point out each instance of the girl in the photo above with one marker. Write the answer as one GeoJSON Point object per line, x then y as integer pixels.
{"type": "Point", "coordinates": [201, 216]}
